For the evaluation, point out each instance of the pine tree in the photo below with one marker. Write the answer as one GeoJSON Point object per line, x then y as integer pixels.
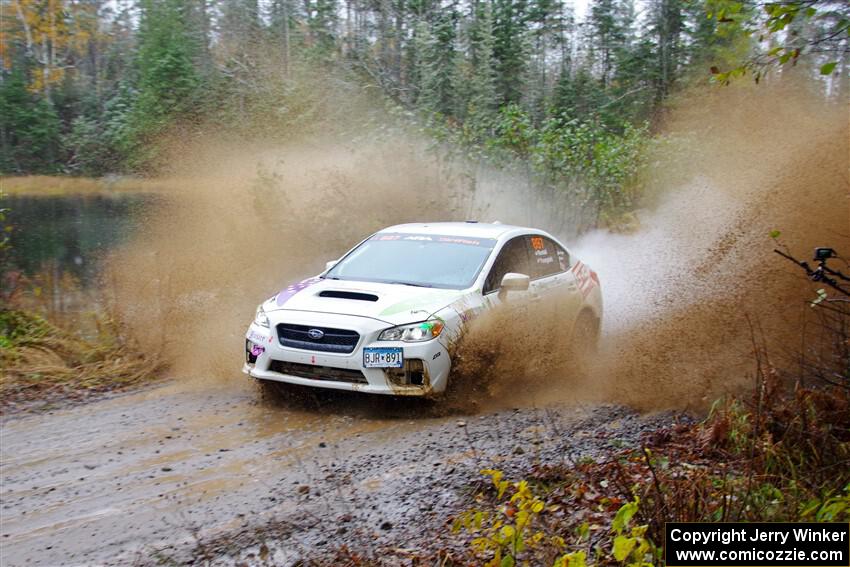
{"type": "Point", "coordinates": [667, 26]}
{"type": "Point", "coordinates": [577, 95]}
{"type": "Point", "coordinates": [608, 35]}
{"type": "Point", "coordinates": [547, 21]}
{"type": "Point", "coordinates": [478, 91]}
{"type": "Point", "coordinates": [168, 82]}
{"type": "Point", "coordinates": [29, 128]}
{"type": "Point", "coordinates": [510, 48]}
{"type": "Point", "coordinates": [322, 21]}
{"type": "Point", "coordinates": [438, 64]}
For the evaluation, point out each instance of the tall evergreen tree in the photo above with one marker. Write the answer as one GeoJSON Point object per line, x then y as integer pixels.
{"type": "Point", "coordinates": [510, 48]}
{"type": "Point", "coordinates": [608, 35]}
{"type": "Point", "coordinates": [667, 27]}
{"type": "Point", "coordinates": [477, 85]}
{"type": "Point", "coordinates": [547, 24]}
{"type": "Point", "coordinates": [168, 81]}
{"type": "Point", "coordinates": [438, 64]}
{"type": "Point", "coordinates": [322, 18]}
{"type": "Point", "coordinates": [29, 128]}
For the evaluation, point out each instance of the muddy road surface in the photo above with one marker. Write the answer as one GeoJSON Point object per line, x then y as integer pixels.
{"type": "Point", "coordinates": [173, 472]}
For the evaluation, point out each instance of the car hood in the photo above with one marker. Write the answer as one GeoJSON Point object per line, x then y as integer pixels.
{"type": "Point", "coordinates": [393, 303]}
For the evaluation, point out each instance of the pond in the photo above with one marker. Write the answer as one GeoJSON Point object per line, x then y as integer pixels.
{"type": "Point", "coordinates": [57, 249]}
{"type": "Point", "coordinates": [69, 234]}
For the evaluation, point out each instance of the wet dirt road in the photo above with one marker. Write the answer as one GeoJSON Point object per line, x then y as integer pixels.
{"type": "Point", "coordinates": [142, 478]}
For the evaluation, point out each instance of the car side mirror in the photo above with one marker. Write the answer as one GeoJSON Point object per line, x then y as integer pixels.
{"type": "Point", "coordinates": [515, 282]}
{"type": "Point", "coordinates": [331, 264]}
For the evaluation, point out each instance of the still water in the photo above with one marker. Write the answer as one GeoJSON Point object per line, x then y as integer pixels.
{"type": "Point", "coordinates": [69, 234]}
{"type": "Point", "coordinates": [57, 252]}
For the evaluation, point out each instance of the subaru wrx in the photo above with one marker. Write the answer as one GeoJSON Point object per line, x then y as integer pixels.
{"type": "Point", "coordinates": [383, 318]}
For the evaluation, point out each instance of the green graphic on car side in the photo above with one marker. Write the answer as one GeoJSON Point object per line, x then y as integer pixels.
{"type": "Point", "coordinates": [418, 302]}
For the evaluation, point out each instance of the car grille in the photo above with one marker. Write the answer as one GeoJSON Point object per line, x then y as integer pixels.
{"type": "Point", "coordinates": [333, 340]}
{"type": "Point", "coordinates": [318, 372]}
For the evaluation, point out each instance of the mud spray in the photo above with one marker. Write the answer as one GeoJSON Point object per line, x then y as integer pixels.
{"type": "Point", "coordinates": [682, 294]}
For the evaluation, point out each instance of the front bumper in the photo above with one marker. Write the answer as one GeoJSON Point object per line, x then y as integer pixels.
{"type": "Point", "coordinates": [275, 362]}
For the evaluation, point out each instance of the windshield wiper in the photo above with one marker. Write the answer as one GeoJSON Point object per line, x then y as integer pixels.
{"type": "Point", "coordinates": [411, 284]}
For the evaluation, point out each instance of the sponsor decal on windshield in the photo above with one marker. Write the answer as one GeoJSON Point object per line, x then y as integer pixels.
{"type": "Point", "coordinates": [287, 293]}
{"type": "Point", "coordinates": [442, 238]}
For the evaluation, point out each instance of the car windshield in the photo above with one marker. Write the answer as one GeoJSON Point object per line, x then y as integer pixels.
{"type": "Point", "coordinates": [426, 260]}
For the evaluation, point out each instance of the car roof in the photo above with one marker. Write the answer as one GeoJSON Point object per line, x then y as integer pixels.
{"type": "Point", "coordinates": [467, 229]}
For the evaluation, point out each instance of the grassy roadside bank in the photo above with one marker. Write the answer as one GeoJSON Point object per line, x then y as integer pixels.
{"type": "Point", "coordinates": [778, 453]}
{"type": "Point", "coordinates": [44, 366]}
{"type": "Point", "coordinates": [48, 357]}
{"type": "Point", "coordinates": [59, 185]}
{"type": "Point", "coordinates": [781, 455]}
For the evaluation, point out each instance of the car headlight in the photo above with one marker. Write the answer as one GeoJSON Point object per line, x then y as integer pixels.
{"type": "Point", "coordinates": [413, 333]}
{"type": "Point", "coordinates": [261, 318]}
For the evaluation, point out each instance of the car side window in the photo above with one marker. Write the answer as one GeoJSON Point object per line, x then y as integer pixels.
{"type": "Point", "coordinates": [545, 257]}
{"type": "Point", "coordinates": [513, 257]}
{"type": "Point", "coordinates": [563, 257]}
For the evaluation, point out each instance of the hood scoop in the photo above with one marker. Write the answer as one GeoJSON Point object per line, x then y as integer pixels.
{"type": "Point", "coordinates": [355, 295]}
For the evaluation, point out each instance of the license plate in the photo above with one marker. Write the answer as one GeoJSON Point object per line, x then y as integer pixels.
{"type": "Point", "coordinates": [383, 357]}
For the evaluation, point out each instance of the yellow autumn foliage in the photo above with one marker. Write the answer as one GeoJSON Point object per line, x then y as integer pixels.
{"type": "Point", "coordinates": [52, 32]}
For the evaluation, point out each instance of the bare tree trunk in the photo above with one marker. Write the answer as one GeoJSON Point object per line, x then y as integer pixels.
{"type": "Point", "coordinates": [45, 67]}
{"type": "Point", "coordinates": [382, 32]}
{"type": "Point", "coordinates": [844, 76]}
{"type": "Point", "coordinates": [349, 27]}
{"type": "Point", "coordinates": [286, 51]}
{"type": "Point", "coordinates": [205, 31]}
{"type": "Point", "coordinates": [399, 34]}
{"type": "Point", "coordinates": [52, 59]}
{"type": "Point", "coordinates": [26, 26]}
{"type": "Point", "coordinates": [308, 12]}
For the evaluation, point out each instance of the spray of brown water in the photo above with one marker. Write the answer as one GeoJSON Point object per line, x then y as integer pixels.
{"type": "Point", "coordinates": [688, 294]}
{"type": "Point", "coordinates": [243, 220]}
{"type": "Point", "coordinates": [240, 223]}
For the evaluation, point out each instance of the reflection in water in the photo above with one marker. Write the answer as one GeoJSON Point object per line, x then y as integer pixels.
{"type": "Point", "coordinates": [57, 249]}
{"type": "Point", "coordinates": [69, 233]}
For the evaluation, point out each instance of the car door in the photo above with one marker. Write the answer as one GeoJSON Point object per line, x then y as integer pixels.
{"type": "Point", "coordinates": [513, 257]}
{"type": "Point", "coordinates": [553, 292]}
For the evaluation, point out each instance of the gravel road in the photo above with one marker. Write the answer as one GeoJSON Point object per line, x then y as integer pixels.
{"type": "Point", "coordinates": [165, 474]}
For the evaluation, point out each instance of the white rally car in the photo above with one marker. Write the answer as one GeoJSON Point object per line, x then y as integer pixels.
{"type": "Point", "coordinates": [384, 318]}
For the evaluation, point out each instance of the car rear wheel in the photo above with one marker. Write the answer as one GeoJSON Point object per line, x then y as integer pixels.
{"type": "Point", "coordinates": [586, 333]}
{"type": "Point", "coordinates": [584, 341]}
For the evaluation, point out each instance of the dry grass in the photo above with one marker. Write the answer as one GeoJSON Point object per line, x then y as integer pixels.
{"type": "Point", "coordinates": [53, 186]}
{"type": "Point", "coordinates": [43, 365]}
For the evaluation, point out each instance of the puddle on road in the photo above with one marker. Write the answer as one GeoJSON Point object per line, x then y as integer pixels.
{"type": "Point", "coordinates": [120, 469]}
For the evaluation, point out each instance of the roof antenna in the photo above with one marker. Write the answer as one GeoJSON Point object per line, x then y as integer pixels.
{"type": "Point", "coordinates": [496, 222]}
